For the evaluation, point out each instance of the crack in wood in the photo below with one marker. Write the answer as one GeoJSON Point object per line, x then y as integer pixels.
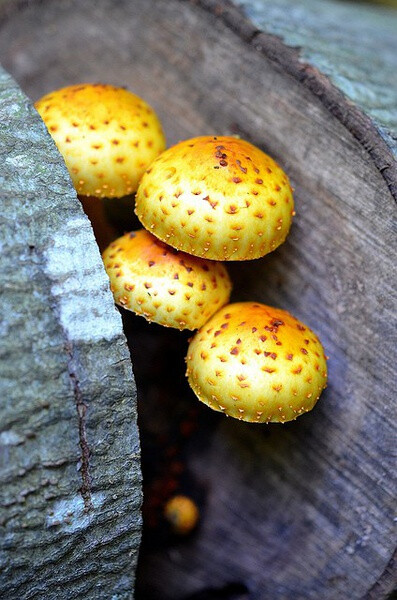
{"type": "Point", "coordinates": [81, 408]}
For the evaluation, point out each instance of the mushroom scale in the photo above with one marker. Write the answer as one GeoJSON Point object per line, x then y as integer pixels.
{"type": "Point", "coordinates": [218, 197]}
{"type": "Point", "coordinates": [107, 135]}
{"type": "Point", "coordinates": [256, 363]}
{"type": "Point", "coordinates": [162, 284]}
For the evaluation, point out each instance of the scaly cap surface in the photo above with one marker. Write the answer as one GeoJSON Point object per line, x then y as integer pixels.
{"type": "Point", "coordinates": [217, 197]}
{"type": "Point", "coordinates": [163, 285]}
{"type": "Point", "coordinates": [107, 136]}
{"type": "Point", "coordinates": [256, 363]}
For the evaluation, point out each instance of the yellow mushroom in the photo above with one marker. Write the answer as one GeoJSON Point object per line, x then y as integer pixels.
{"type": "Point", "coordinates": [162, 284]}
{"type": "Point", "coordinates": [107, 135]}
{"type": "Point", "coordinates": [256, 363]}
{"type": "Point", "coordinates": [217, 197]}
{"type": "Point", "coordinates": [182, 514]}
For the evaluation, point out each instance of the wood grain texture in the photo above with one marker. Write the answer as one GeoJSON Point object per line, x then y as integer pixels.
{"type": "Point", "coordinates": [304, 510]}
{"type": "Point", "coordinates": [69, 450]}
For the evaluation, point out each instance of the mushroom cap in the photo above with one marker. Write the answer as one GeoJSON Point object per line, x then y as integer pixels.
{"type": "Point", "coordinates": [218, 197]}
{"type": "Point", "coordinates": [162, 284]}
{"type": "Point", "coordinates": [107, 136]}
{"type": "Point", "coordinates": [182, 513]}
{"type": "Point", "coordinates": [256, 363]}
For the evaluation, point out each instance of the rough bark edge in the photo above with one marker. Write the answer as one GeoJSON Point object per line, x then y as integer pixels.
{"type": "Point", "coordinates": [288, 58]}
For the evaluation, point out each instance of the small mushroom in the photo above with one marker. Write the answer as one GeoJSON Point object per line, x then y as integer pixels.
{"type": "Point", "coordinates": [217, 197]}
{"type": "Point", "coordinates": [107, 136]}
{"type": "Point", "coordinates": [256, 363]}
{"type": "Point", "coordinates": [162, 284]}
{"type": "Point", "coordinates": [182, 514]}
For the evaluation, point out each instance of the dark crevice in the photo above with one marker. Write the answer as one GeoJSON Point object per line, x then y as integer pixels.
{"type": "Point", "coordinates": [230, 591]}
{"type": "Point", "coordinates": [81, 408]}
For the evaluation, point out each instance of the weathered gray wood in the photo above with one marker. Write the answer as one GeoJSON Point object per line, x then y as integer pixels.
{"type": "Point", "coordinates": [330, 38]}
{"type": "Point", "coordinates": [366, 100]}
{"type": "Point", "coordinates": [304, 510]}
{"type": "Point", "coordinates": [69, 452]}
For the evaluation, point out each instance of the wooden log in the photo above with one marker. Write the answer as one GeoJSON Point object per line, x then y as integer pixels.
{"type": "Point", "coordinates": [69, 452]}
{"type": "Point", "coordinates": [303, 510]}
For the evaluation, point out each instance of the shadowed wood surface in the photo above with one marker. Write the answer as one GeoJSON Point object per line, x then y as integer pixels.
{"type": "Point", "coordinates": [304, 510]}
{"type": "Point", "coordinates": [69, 451]}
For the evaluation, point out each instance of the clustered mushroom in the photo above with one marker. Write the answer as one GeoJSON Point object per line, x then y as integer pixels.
{"type": "Point", "coordinates": [218, 197]}
{"type": "Point", "coordinates": [107, 137]}
{"type": "Point", "coordinates": [256, 363]}
{"type": "Point", "coordinates": [163, 285]}
{"type": "Point", "coordinates": [202, 201]}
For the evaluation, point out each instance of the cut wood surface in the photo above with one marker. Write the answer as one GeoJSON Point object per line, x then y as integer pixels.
{"type": "Point", "coordinates": [304, 510]}
{"type": "Point", "coordinates": [328, 36]}
{"type": "Point", "coordinates": [70, 489]}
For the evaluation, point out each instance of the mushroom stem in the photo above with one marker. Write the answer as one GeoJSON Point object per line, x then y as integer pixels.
{"type": "Point", "coordinates": [95, 210]}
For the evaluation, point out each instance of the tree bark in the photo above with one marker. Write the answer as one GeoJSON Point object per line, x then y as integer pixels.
{"type": "Point", "coordinates": [70, 487]}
